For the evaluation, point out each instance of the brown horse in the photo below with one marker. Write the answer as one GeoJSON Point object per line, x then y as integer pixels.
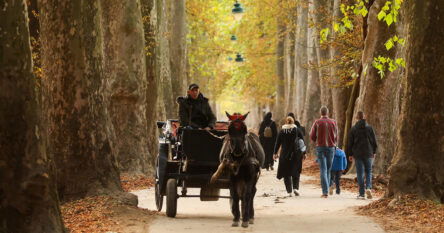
{"type": "Point", "coordinates": [243, 155]}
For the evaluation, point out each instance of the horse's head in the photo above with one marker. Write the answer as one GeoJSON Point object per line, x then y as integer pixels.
{"type": "Point", "coordinates": [237, 131]}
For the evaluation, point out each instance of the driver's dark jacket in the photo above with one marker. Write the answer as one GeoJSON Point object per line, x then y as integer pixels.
{"type": "Point", "coordinates": [196, 113]}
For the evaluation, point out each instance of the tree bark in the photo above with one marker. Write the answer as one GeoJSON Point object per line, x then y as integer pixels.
{"type": "Point", "coordinates": [379, 97]}
{"type": "Point", "coordinates": [312, 98]}
{"type": "Point", "coordinates": [125, 71]}
{"type": "Point", "coordinates": [178, 48]}
{"type": "Point", "coordinates": [300, 70]}
{"type": "Point", "coordinates": [80, 130]}
{"type": "Point", "coordinates": [27, 185]}
{"type": "Point", "coordinates": [419, 157]}
{"type": "Point", "coordinates": [340, 95]}
{"type": "Point", "coordinates": [322, 9]}
{"type": "Point", "coordinates": [149, 12]}
{"type": "Point", "coordinates": [280, 95]}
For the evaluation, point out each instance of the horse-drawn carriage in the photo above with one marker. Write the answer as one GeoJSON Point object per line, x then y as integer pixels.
{"type": "Point", "coordinates": [187, 159]}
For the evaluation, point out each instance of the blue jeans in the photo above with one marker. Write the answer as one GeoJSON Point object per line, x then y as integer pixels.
{"type": "Point", "coordinates": [364, 165]}
{"type": "Point", "coordinates": [325, 160]}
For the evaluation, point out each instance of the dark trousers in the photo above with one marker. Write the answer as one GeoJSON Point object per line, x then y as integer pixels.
{"type": "Point", "coordinates": [335, 178]}
{"type": "Point", "coordinates": [291, 182]}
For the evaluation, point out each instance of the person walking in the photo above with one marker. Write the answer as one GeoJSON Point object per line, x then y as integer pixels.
{"type": "Point", "coordinates": [324, 133]}
{"type": "Point", "coordinates": [267, 137]}
{"type": "Point", "coordinates": [337, 168]}
{"type": "Point", "coordinates": [362, 145]}
{"type": "Point", "coordinates": [288, 156]}
{"type": "Point", "coordinates": [299, 158]}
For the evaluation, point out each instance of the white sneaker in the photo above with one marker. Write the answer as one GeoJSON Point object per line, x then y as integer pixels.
{"type": "Point", "coordinates": [369, 193]}
{"type": "Point", "coordinates": [296, 192]}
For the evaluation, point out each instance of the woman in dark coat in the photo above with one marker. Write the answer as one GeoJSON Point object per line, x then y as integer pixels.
{"type": "Point", "coordinates": [299, 159]}
{"type": "Point", "coordinates": [288, 159]}
{"type": "Point", "coordinates": [268, 140]}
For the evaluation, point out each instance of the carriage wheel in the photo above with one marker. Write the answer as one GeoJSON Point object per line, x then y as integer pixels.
{"type": "Point", "coordinates": [158, 197]}
{"type": "Point", "coordinates": [171, 198]}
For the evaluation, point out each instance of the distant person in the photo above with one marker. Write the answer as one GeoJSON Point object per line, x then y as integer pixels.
{"type": "Point", "coordinates": [195, 111]}
{"type": "Point", "coordinates": [338, 167]}
{"type": "Point", "coordinates": [288, 156]}
{"type": "Point", "coordinates": [362, 146]}
{"type": "Point", "coordinates": [267, 137]}
{"type": "Point", "coordinates": [324, 133]}
{"type": "Point", "coordinates": [299, 158]}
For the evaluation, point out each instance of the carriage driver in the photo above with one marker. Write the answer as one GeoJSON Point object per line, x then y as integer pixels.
{"type": "Point", "coordinates": [195, 111]}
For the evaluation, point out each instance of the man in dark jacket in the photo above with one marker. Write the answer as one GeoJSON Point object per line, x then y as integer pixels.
{"type": "Point", "coordinates": [362, 146]}
{"type": "Point", "coordinates": [268, 139]}
{"type": "Point", "coordinates": [195, 111]}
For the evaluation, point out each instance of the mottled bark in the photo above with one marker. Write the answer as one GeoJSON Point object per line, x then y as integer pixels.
{"type": "Point", "coordinates": [289, 70]}
{"type": "Point", "coordinates": [125, 71]}
{"type": "Point", "coordinates": [340, 95]}
{"type": "Point", "coordinates": [419, 157]}
{"type": "Point", "coordinates": [280, 95]}
{"type": "Point", "coordinates": [300, 70]}
{"type": "Point", "coordinates": [28, 194]}
{"type": "Point", "coordinates": [322, 10]}
{"type": "Point", "coordinates": [379, 97]}
{"type": "Point", "coordinates": [80, 131]}
{"type": "Point", "coordinates": [312, 97]}
{"type": "Point", "coordinates": [166, 103]}
{"type": "Point", "coordinates": [150, 25]}
{"type": "Point", "coordinates": [178, 45]}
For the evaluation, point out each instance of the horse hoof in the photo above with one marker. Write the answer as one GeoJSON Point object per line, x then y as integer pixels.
{"type": "Point", "coordinates": [235, 224]}
{"type": "Point", "coordinates": [251, 221]}
{"type": "Point", "coordinates": [244, 224]}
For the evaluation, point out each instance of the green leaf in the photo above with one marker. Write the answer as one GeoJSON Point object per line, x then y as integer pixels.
{"type": "Point", "coordinates": [381, 15]}
{"type": "Point", "coordinates": [389, 44]}
{"type": "Point", "coordinates": [389, 19]}
{"type": "Point", "coordinates": [336, 27]}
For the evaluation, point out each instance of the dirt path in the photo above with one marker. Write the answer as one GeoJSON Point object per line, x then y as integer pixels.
{"type": "Point", "coordinates": [274, 212]}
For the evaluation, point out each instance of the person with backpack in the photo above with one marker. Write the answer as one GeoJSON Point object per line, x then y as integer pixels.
{"type": "Point", "coordinates": [337, 168]}
{"type": "Point", "coordinates": [300, 148]}
{"type": "Point", "coordinates": [290, 153]}
{"type": "Point", "coordinates": [267, 137]}
{"type": "Point", "coordinates": [362, 147]}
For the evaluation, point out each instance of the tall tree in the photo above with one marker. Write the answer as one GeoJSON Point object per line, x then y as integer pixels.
{"type": "Point", "coordinates": [149, 12]}
{"type": "Point", "coordinates": [380, 97]}
{"type": "Point", "coordinates": [27, 185]}
{"type": "Point", "coordinates": [419, 158]}
{"type": "Point", "coordinates": [280, 69]}
{"type": "Point", "coordinates": [300, 72]}
{"type": "Point", "coordinates": [125, 71]}
{"type": "Point", "coordinates": [80, 131]}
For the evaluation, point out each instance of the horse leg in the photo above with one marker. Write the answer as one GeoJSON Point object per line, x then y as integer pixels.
{"type": "Point", "coordinates": [246, 201]}
{"type": "Point", "coordinates": [234, 201]}
{"type": "Point", "coordinates": [253, 193]}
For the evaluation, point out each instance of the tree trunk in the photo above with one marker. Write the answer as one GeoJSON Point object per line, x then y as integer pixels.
{"type": "Point", "coordinates": [300, 70]}
{"type": "Point", "coordinates": [380, 98]}
{"type": "Point", "coordinates": [166, 103]}
{"type": "Point", "coordinates": [178, 45]}
{"type": "Point", "coordinates": [149, 12]}
{"type": "Point", "coordinates": [280, 95]}
{"type": "Point", "coordinates": [125, 69]}
{"type": "Point", "coordinates": [27, 185]}
{"type": "Point", "coordinates": [289, 70]}
{"type": "Point", "coordinates": [312, 98]}
{"type": "Point", "coordinates": [80, 131]}
{"type": "Point", "coordinates": [419, 157]}
{"type": "Point", "coordinates": [340, 95]}
{"type": "Point", "coordinates": [322, 9]}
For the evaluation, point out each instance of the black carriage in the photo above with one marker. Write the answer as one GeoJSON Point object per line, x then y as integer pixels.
{"type": "Point", "coordinates": [187, 159]}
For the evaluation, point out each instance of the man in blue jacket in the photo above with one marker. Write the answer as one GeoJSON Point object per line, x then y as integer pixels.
{"type": "Point", "coordinates": [338, 167]}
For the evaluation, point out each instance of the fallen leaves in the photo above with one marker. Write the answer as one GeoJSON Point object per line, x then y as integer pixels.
{"type": "Point", "coordinates": [135, 182]}
{"type": "Point", "coordinates": [406, 214]}
{"type": "Point", "coordinates": [91, 214]}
